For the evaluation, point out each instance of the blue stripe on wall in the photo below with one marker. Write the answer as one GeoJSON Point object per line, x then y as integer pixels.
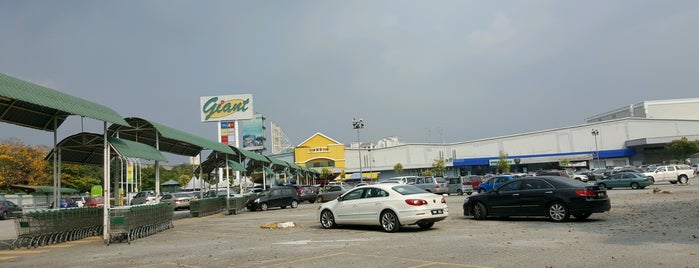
{"type": "Point", "coordinates": [602, 154]}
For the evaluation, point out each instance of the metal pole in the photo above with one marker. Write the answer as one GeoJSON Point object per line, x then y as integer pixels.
{"type": "Point", "coordinates": [595, 132]}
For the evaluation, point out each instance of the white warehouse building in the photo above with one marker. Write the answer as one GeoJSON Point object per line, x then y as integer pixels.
{"type": "Point", "coordinates": [632, 135]}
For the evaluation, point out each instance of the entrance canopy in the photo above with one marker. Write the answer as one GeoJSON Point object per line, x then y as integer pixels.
{"type": "Point", "coordinates": [33, 106]}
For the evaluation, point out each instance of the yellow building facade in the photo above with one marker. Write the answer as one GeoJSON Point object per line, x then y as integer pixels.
{"type": "Point", "coordinates": [319, 152]}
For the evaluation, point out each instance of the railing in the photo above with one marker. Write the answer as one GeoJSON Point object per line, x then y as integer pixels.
{"type": "Point", "coordinates": [213, 205]}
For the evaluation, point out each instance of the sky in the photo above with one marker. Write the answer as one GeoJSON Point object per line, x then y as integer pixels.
{"type": "Point", "coordinates": [424, 71]}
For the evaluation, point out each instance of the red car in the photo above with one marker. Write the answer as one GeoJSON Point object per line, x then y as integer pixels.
{"type": "Point", "coordinates": [94, 201]}
{"type": "Point", "coordinates": [474, 181]}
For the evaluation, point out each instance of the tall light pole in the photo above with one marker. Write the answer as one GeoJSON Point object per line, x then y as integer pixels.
{"type": "Point", "coordinates": [358, 124]}
{"type": "Point", "coordinates": [595, 133]}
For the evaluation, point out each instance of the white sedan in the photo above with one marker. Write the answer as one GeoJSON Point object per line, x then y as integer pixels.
{"type": "Point", "coordinates": [388, 205]}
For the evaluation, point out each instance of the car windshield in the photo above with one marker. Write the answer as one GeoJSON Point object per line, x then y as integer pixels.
{"type": "Point", "coordinates": [441, 180]}
{"type": "Point", "coordinates": [180, 195]}
{"type": "Point", "coordinates": [405, 189]}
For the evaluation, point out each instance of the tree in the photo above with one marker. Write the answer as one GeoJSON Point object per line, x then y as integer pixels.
{"type": "Point", "coordinates": [438, 166]}
{"type": "Point", "coordinates": [503, 166]}
{"type": "Point", "coordinates": [398, 168]}
{"type": "Point", "coordinates": [21, 164]}
{"type": "Point", "coordinates": [326, 174]}
{"type": "Point", "coordinates": [682, 149]}
{"type": "Point", "coordinates": [565, 162]}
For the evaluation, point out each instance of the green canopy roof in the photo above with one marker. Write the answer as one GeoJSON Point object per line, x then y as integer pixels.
{"type": "Point", "coordinates": [34, 106]}
{"type": "Point", "coordinates": [252, 155]}
{"type": "Point", "coordinates": [277, 162]}
{"type": "Point", "coordinates": [43, 189]}
{"type": "Point", "coordinates": [88, 148]}
{"type": "Point", "coordinates": [170, 140]}
{"type": "Point", "coordinates": [235, 166]}
{"type": "Point", "coordinates": [135, 149]}
{"type": "Point", "coordinates": [269, 170]}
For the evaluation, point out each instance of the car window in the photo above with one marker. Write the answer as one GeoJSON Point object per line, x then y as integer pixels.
{"type": "Point", "coordinates": [275, 192]}
{"type": "Point", "coordinates": [408, 189]}
{"type": "Point", "coordinates": [535, 185]}
{"type": "Point", "coordinates": [354, 194]}
{"type": "Point", "coordinates": [509, 187]}
{"type": "Point", "coordinates": [440, 180]}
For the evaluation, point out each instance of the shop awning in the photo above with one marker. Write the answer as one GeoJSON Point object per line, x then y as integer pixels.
{"type": "Point", "coordinates": [268, 170]}
{"type": "Point", "coordinates": [277, 162]}
{"type": "Point", "coordinates": [236, 166]}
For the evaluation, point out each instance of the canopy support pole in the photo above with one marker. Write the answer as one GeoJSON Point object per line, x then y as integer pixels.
{"type": "Point", "coordinates": [55, 162]}
{"type": "Point", "coordinates": [105, 191]}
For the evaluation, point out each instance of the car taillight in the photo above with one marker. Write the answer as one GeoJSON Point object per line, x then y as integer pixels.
{"type": "Point", "coordinates": [436, 186]}
{"type": "Point", "coordinates": [416, 202]}
{"type": "Point", "coordinates": [444, 201]}
{"type": "Point", "coordinates": [585, 193]}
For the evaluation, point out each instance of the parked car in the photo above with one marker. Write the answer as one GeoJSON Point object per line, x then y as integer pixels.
{"type": "Point", "coordinates": [9, 209]}
{"type": "Point", "coordinates": [282, 196]}
{"type": "Point", "coordinates": [554, 197]}
{"type": "Point", "coordinates": [65, 202]}
{"type": "Point", "coordinates": [587, 173]}
{"type": "Point", "coordinates": [332, 193]}
{"type": "Point", "coordinates": [143, 197]}
{"type": "Point", "coordinates": [94, 201]}
{"type": "Point", "coordinates": [557, 172]}
{"type": "Point", "coordinates": [602, 173]}
{"type": "Point", "coordinates": [625, 179]}
{"type": "Point", "coordinates": [457, 185]}
{"type": "Point", "coordinates": [306, 193]}
{"type": "Point", "coordinates": [671, 173]}
{"type": "Point", "coordinates": [494, 182]}
{"type": "Point", "coordinates": [178, 200]}
{"type": "Point", "coordinates": [402, 179]}
{"type": "Point", "coordinates": [389, 205]}
{"type": "Point", "coordinates": [80, 200]}
{"type": "Point", "coordinates": [435, 185]}
{"type": "Point", "coordinates": [474, 181]}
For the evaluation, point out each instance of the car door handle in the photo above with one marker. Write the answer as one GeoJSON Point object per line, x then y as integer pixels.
{"type": "Point", "coordinates": [515, 194]}
{"type": "Point", "coordinates": [548, 192]}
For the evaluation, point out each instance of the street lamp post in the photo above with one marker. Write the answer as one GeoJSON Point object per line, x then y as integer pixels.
{"type": "Point", "coordinates": [358, 124]}
{"type": "Point", "coordinates": [594, 133]}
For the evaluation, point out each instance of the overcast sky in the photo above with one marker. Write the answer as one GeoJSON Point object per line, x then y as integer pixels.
{"type": "Point", "coordinates": [425, 71]}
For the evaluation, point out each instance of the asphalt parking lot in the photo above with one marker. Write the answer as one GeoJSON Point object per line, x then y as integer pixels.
{"type": "Point", "coordinates": [643, 229]}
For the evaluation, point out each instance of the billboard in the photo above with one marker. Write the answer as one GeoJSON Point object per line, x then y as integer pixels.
{"type": "Point", "coordinates": [226, 108]}
{"type": "Point", "coordinates": [252, 131]}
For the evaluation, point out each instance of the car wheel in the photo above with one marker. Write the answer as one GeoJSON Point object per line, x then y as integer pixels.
{"type": "Point", "coordinates": [459, 192]}
{"type": "Point", "coordinates": [651, 179]}
{"type": "Point", "coordinates": [327, 219]}
{"type": "Point", "coordinates": [312, 201]}
{"type": "Point", "coordinates": [602, 186]}
{"type": "Point", "coordinates": [389, 221]}
{"type": "Point", "coordinates": [582, 216]}
{"type": "Point", "coordinates": [558, 212]}
{"type": "Point", "coordinates": [319, 199]}
{"type": "Point", "coordinates": [294, 204]}
{"type": "Point", "coordinates": [4, 215]}
{"type": "Point", "coordinates": [481, 190]}
{"type": "Point", "coordinates": [479, 211]}
{"type": "Point", "coordinates": [635, 185]}
{"type": "Point", "coordinates": [263, 206]}
{"type": "Point", "coordinates": [425, 225]}
{"type": "Point", "coordinates": [682, 179]}
{"type": "Point", "coordinates": [469, 193]}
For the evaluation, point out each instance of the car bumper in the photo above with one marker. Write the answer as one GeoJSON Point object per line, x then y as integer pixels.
{"type": "Point", "coordinates": [410, 217]}
{"type": "Point", "coordinates": [590, 206]}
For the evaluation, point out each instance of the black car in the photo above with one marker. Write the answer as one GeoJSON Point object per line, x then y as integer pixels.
{"type": "Point", "coordinates": [554, 197]}
{"type": "Point", "coordinates": [306, 193]}
{"type": "Point", "coordinates": [9, 209]}
{"type": "Point", "coordinates": [282, 196]}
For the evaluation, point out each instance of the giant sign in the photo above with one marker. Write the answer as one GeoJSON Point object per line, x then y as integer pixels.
{"type": "Point", "coordinates": [226, 108]}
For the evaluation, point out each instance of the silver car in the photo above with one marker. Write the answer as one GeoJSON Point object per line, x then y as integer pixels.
{"type": "Point", "coordinates": [435, 185]}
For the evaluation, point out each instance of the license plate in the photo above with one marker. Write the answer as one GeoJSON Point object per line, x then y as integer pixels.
{"type": "Point", "coordinates": [437, 211]}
